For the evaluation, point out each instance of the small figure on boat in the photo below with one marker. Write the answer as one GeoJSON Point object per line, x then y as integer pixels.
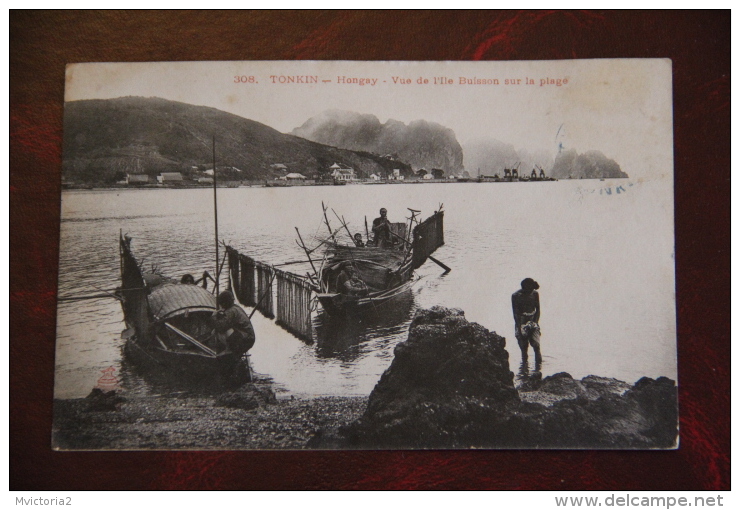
{"type": "Point", "coordinates": [232, 324]}
{"type": "Point", "coordinates": [358, 240]}
{"type": "Point", "coordinates": [525, 304]}
{"type": "Point", "coordinates": [382, 237]}
{"type": "Point", "coordinates": [188, 279]}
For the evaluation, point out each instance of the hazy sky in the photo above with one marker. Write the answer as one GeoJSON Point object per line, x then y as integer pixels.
{"type": "Point", "coordinates": [620, 107]}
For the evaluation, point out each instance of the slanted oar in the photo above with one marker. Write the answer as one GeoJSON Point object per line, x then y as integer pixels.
{"type": "Point", "coordinates": [447, 269]}
{"type": "Point", "coordinates": [190, 339]}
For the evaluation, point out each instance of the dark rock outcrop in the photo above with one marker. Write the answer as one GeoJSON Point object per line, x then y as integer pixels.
{"type": "Point", "coordinates": [450, 386]}
{"type": "Point", "coordinates": [446, 379]}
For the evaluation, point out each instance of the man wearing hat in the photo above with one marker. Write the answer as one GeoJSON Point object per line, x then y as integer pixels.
{"type": "Point", "coordinates": [232, 324]}
{"type": "Point", "coordinates": [382, 230]}
{"type": "Point", "coordinates": [526, 306]}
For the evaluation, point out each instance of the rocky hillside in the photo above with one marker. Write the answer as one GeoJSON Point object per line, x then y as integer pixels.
{"type": "Point", "coordinates": [589, 165]}
{"type": "Point", "coordinates": [105, 139]}
{"type": "Point", "coordinates": [422, 144]}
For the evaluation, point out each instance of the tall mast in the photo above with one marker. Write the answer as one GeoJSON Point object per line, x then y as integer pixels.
{"type": "Point", "coordinates": [215, 213]}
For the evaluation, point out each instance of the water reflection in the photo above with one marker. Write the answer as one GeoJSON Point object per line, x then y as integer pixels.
{"type": "Point", "coordinates": [151, 380]}
{"type": "Point", "coordinates": [343, 337]}
{"type": "Point", "coordinates": [526, 379]}
{"type": "Point", "coordinates": [490, 246]}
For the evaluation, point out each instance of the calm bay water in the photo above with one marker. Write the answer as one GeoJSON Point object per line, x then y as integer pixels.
{"type": "Point", "coordinates": [603, 261]}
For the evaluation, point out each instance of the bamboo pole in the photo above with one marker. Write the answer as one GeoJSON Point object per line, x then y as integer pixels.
{"type": "Point", "coordinates": [308, 254]}
{"type": "Point", "coordinates": [321, 243]}
{"type": "Point", "coordinates": [215, 213]}
{"type": "Point", "coordinates": [344, 224]}
{"type": "Point", "coordinates": [218, 274]}
{"type": "Point", "coordinates": [80, 298]}
{"type": "Point", "coordinates": [326, 220]}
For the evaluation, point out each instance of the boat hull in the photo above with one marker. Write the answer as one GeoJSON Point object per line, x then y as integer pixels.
{"type": "Point", "coordinates": [185, 366]}
{"type": "Point", "coordinates": [169, 331]}
{"type": "Point", "coordinates": [337, 304]}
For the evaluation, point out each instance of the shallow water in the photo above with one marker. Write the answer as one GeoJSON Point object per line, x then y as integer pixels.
{"type": "Point", "coordinates": [603, 261]}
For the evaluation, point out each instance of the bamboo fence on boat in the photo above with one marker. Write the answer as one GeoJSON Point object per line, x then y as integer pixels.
{"type": "Point", "coordinates": [428, 236]}
{"type": "Point", "coordinates": [265, 274]}
{"type": "Point", "coordinates": [246, 281]}
{"type": "Point", "coordinates": [242, 277]}
{"type": "Point", "coordinates": [294, 304]}
{"type": "Point", "coordinates": [234, 287]}
{"type": "Point", "coordinates": [251, 282]}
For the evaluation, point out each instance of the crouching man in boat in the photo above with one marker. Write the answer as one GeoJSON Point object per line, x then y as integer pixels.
{"type": "Point", "coordinates": [232, 324]}
{"type": "Point", "coordinates": [349, 282]}
{"type": "Point", "coordinates": [526, 306]}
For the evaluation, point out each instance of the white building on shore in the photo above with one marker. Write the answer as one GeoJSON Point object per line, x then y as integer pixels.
{"type": "Point", "coordinates": [345, 174]}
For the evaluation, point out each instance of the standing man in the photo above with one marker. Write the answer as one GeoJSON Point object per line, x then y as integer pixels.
{"type": "Point", "coordinates": [525, 304]}
{"type": "Point", "coordinates": [232, 324]}
{"type": "Point", "coordinates": [382, 230]}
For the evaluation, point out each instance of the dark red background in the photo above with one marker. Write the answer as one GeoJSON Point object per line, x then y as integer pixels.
{"type": "Point", "coordinates": [41, 43]}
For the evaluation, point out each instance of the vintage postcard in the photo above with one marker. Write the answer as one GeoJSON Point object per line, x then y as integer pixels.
{"type": "Point", "coordinates": [366, 255]}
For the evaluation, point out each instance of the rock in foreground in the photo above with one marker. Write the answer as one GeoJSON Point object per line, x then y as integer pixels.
{"type": "Point", "coordinates": [450, 386]}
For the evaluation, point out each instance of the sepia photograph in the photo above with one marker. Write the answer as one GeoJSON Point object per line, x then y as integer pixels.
{"type": "Point", "coordinates": [348, 255]}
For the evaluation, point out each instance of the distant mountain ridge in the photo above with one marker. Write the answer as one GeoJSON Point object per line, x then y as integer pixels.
{"type": "Point", "coordinates": [491, 157]}
{"type": "Point", "coordinates": [422, 144]}
{"type": "Point", "coordinates": [106, 138]}
{"type": "Point", "coordinates": [589, 165]}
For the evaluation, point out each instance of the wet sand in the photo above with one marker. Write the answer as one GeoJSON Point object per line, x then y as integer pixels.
{"type": "Point", "coordinates": [218, 423]}
{"type": "Point", "coordinates": [198, 423]}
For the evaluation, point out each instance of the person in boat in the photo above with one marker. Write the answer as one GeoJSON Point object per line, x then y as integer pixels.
{"type": "Point", "coordinates": [349, 282]}
{"type": "Point", "coordinates": [232, 324]}
{"type": "Point", "coordinates": [187, 279]}
{"type": "Point", "coordinates": [382, 230]}
{"type": "Point", "coordinates": [525, 304]}
{"type": "Point", "coordinates": [358, 240]}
